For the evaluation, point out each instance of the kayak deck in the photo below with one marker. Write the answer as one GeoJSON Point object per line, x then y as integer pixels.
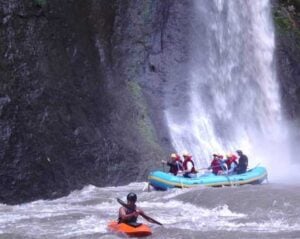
{"type": "Point", "coordinates": [140, 231]}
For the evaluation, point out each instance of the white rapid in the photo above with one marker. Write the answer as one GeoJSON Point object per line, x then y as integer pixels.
{"type": "Point", "coordinates": [234, 100]}
{"type": "Point", "coordinates": [185, 213]}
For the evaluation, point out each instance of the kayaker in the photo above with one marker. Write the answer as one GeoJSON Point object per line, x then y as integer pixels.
{"type": "Point", "coordinates": [189, 170]}
{"type": "Point", "coordinates": [216, 164]}
{"type": "Point", "coordinates": [243, 162]}
{"type": "Point", "coordinates": [130, 213]}
{"type": "Point", "coordinates": [174, 163]}
{"type": "Point", "coordinates": [231, 162]}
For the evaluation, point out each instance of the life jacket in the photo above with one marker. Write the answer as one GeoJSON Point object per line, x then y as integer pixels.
{"type": "Point", "coordinates": [128, 211]}
{"type": "Point", "coordinates": [230, 160]}
{"type": "Point", "coordinates": [216, 165]}
{"type": "Point", "coordinates": [179, 163]}
{"type": "Point", "coordinates": [175, 167]}
{"type": "Point", "coordinates": [185, 162]}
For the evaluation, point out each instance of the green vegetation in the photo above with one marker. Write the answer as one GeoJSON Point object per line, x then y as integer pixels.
{"type": "Point", "coordinates": [135, 89]}
{"type": "Point", "coordinates": [144, 123]}
{"type": "Point", "coordinates": [282, 23]}
{"type": "Point", "coordinates": [295, 3]}
{"type": "Point", "coordinates": [287, 19]}
{"type": "Point", "coordinates": [40, 2]}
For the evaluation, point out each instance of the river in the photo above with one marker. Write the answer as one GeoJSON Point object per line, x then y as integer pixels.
{"type": "Point", "coordinates": [270, 210]}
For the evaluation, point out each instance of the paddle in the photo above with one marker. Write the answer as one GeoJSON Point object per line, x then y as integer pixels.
{"type": "Point", "coordinates": [149, 219]}
{"type": "Point", "coordinates": [201, 168]}
{"type": "Point", "coordinates": [254, 167]}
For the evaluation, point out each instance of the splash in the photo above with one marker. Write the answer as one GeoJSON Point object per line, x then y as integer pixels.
{"type": "Point", "coordinates": [234, 100]}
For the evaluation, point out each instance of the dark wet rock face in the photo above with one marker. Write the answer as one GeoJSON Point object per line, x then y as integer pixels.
{"type": "Point", "coordinates": [286, 16]}
{"type": "Point", "coordinates": [54, 104]}
{"type": "Point", "coordinates": [287, 23]}
{"type": "Point", "coordinates": [77, 98]}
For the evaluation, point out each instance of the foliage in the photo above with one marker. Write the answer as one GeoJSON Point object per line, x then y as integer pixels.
{"type": "Point", "coordinates": [286, 18]}
{"type": "Point", "coordinates": [40, 2]}
{"type": "Point", "coordinates": [144, 123]}
{"type": "Point", "coordinates": [283, 23]}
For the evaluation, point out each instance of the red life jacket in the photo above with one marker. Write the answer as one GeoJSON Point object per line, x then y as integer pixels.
{"type": "Point", "coordinates": [216, 166]}
{"type": "Point", "coordinates": [231, 160]}
{"type": "Point", "coordinates": [185, 162]}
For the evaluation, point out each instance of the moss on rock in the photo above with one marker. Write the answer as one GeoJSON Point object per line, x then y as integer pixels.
{"type": "Point", "coordinates": [40, 3]}
{"type": "Point", "coordinates": [144, 124]}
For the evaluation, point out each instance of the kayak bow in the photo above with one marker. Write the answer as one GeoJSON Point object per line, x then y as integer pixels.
{"type": "Point", "coordinates": [140, 230]}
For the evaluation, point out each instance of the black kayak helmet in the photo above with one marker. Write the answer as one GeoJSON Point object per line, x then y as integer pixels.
{"type": "Point", "coordinates": [131, 197]}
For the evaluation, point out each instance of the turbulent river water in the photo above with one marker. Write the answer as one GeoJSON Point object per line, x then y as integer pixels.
{"type": "Point", "coordinates": [269, 210]}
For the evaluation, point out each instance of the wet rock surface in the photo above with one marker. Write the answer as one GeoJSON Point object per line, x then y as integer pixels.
{"type": "Point", "coordinates": [286, 15]}
{"type": "Point", "coordinates": [72, 109]}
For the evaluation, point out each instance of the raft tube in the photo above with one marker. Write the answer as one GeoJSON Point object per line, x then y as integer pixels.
{"type": "Point", "coordinates": [163, 181]}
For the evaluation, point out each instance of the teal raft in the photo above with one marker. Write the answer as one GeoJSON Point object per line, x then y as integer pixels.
{"type": "Point", "coordinates": [163, 181]}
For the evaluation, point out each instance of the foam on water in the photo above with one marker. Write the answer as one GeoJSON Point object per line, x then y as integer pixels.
{"type": "Point", "coordinates": [85, 214]}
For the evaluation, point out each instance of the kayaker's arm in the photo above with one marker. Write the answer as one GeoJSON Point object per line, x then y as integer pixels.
{"type": "Point", "coordinates": [140, 213]}
{"type": "Point", "coordinates": [125, 217]}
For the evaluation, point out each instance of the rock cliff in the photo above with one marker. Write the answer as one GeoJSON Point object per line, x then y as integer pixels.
{"type": "Point", "coordinates": [286, 16]}
{"type": "Point", "coordinates": [79, 98]}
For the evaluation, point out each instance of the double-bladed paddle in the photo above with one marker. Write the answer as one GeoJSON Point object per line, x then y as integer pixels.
{"type": "Point", "coordinates": [149, 219]}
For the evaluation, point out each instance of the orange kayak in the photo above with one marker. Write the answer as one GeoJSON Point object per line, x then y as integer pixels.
{"type": "Point", "coordinates": [139, 230]}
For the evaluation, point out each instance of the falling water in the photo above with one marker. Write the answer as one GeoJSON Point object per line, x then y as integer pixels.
{"type": "Point", "coordinates": [233, 91]}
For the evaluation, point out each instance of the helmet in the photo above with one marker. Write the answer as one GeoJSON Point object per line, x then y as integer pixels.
{"type": "Point", "coordinates": [229, 155]}
{"type": "Point", "coordinates": [239, 152]}
{"type": "Point", "coordinates": [173, 155]}
{"type": "Point", "coordinates": [131, 197]}
{"type": "Point", "coordinates": [186, 154]}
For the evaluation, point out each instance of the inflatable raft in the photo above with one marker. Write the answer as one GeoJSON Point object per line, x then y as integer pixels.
{"type": "Point", "coordinates": [137, 230]}
{"type": "Point", "coordinates": [163, 181]}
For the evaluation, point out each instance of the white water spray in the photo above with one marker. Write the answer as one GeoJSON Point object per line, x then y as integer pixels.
{"type": "Point", "coordinates": [234, 98]}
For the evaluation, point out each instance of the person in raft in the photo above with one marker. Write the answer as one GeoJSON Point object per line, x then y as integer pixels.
{"type": "Point", "coordinates": [243, 162]}
{"type": "Point", "coordinates": [174, 163]}
{"type": "Point", "coordinates": [189, 170]}
{"type": "Point", "coordinates": [130, 214]}
{"type": "Point", "coordinates": [231, 162]}
{"type": "Point", "coordinates": [217, 165]}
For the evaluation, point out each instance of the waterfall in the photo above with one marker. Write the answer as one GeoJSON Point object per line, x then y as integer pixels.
{"type": "Point", "coordinates": [233, 95]}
